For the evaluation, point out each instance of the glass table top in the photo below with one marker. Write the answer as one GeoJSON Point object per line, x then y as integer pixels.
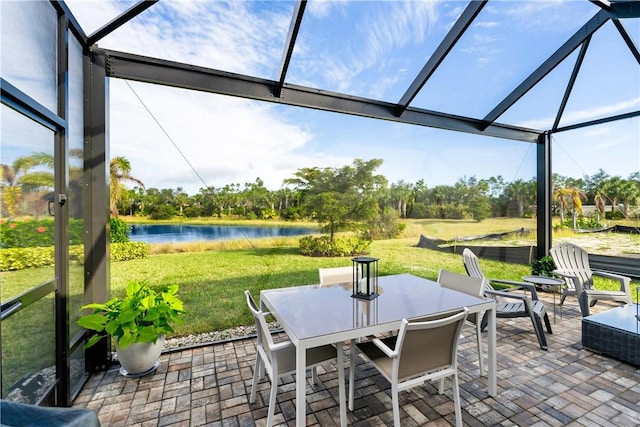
{"type": "Point", "coordinates": [623, 318]}
{"type": "Point", "coordinates": [314, 310]}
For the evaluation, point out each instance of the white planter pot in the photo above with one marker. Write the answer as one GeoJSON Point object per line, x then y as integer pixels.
{"type": "Point", "coordinates": [140, 359]}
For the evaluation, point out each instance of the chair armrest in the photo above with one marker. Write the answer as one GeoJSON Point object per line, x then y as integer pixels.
{"type": "Point", "coordinates": [609, 275]}
{"type": "Point", "coordinates": [518, 285]}
{"type": "Point", "coordinates": [625, 282]}
{"type": "Point", "coordinates": [505, 295]}
{"type": "Point", "coordinates": [521, 286]}
{"type": "Point", "coordinates": [384, 348]}
{"type": "Point", "coordinates": [280, 345]}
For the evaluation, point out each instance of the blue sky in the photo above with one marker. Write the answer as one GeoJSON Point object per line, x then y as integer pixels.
{"type": "Point", "coordinates": [373, 50]}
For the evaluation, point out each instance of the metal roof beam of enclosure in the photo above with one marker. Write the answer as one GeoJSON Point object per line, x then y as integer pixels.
{"type": "Point", "coordinates": [625, 9]}
{"type": "Point", "coordinates": [627, 39]}
{"type": "Point", "coordinates": [26, 105]}
{"type": "Point", "coordinates": [116, 23]}
{"type": "Point", "coordinates": [572, 80]}
{"type": "Point", "coordinates": [62, 8]}
{"type": "Point", "coordinates": [597, 21]}
{"type": "Point", "coordinates": [169, 73]}
{"type": "Point", "coordinates": [464, 21]}
{"type": "Point", "coordinates": [604, 4]}
{"type": "Point", "coordinates": [296, 20]}
{"type": "Point", "coordinates": [599, 121]}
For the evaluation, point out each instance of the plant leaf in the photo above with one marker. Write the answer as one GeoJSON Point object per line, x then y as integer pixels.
{"type": "Point", "coordinates": [94, 322]}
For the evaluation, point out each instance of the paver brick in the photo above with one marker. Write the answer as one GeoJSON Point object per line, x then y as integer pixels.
{"type": "Point", "coordinates": [210, 385]}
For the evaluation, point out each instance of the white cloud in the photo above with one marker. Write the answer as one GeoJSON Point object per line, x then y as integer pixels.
{"type": "Point", "coordinates": [226, 140]}
{"type": "Point", "coordinates": [486, 24]}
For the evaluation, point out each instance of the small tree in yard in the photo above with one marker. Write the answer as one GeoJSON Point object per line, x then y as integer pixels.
{"type": "Point", "coordinates": [340, 198]}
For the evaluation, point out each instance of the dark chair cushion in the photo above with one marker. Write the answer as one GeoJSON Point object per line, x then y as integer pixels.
{"type": "Point", "coordinates": [13, 414]}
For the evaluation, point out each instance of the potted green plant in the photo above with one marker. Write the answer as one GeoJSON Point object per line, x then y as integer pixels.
{"type": "Point", "coordinates": [543, 266]}
{"type": "Point", "coordinates": [138, 322]}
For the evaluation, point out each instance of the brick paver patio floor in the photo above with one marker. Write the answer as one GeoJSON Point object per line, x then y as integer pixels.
{"type": "Point", "coordinates": [210, 386]}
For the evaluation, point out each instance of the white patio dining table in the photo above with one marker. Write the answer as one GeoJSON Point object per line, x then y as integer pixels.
{"type": "Point", "coordinates": [316, 315]}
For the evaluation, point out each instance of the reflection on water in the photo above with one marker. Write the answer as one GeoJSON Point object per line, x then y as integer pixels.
{"type": "Point", "coordinates": [174, 233]}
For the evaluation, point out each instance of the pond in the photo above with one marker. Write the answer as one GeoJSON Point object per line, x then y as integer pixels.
{"type": "Point", "coordinates": [178, 233]}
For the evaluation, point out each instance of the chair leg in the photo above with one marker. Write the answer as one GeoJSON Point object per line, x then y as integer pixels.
{"type": "Point", "coordinates": [395, 404]}
{"type": "Point", "coordinates": [456, 400]}
{"type": "Point", "coordinates": [257, 374]}
{"type": "Point", "coordinates": [272, 398]}
{"type": "Point", "coordinates": [341, 391]}
{"type": "Point", "coordinates": [537, 326]}
{"type": "Point", "coordinates": [583, 301]}
{"type": "Point", "coordinates": [484, 322]}
{"type": "Point", "coordinates": [314, 376]}
{"type": "Point", "coordinates": [547, 323]}
{"type": "Point", "coordinates": [352, 364]}
{"type": "Point", "coordinates": [480, 352]}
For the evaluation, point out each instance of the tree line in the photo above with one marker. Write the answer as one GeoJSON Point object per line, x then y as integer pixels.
{"type": "Point", "coordinates": [320, 193]}
{"type": "Point", "coordinates": [333, 196]}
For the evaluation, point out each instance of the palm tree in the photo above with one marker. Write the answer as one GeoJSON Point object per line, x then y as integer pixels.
{"type": "Point", "coordinates": [119, 173]}
{"type": "Point", "coordinates": [19, 177]}
{"type": "Point", "coordinates": [559, 196]}
{"type": "Point", "coordinates": [601, 205]}
{"type": "Point", "coordinates": [576, 196]}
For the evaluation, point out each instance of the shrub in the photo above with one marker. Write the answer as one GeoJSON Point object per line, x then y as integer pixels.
{"type": "Point", "coordinates": [119, 230]}
{"type": "Point", "coordinates": [21, 258]}
{"type": "Point", "coordinates": [30, 233]}
{"type": "Point", "coordinates": [292, 214]}
{"type": "Point", "coordinates": [128, 251]}
{"type": "Point", "coordinates": [163, 212]}
{"type": "Point", "coordinates": [613, 215]}
{"type": "Point", "coordinates": [384, 226]}
{"type": "Point", "coordinates": [343, 246]}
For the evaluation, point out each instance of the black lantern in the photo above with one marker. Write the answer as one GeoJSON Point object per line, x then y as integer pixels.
{"type": "Point", "coordinates": [365, 277]}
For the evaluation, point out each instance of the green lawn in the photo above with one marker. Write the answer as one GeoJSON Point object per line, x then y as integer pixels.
{"type": "Point", "coordinates": [212, 279]}
{"type": "Point", "coordinates": [212, 283]}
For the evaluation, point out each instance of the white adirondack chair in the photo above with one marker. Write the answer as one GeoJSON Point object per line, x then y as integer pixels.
{"type": "Point", "coordinates": [572, 264]}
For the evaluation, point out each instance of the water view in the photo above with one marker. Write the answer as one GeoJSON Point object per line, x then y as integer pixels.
{"type": "Point", "coordinates": [176, 233]}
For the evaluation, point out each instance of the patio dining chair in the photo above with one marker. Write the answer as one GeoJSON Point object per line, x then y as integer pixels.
{"type": "Point", "coordinates": [510, 304]}
{"type": "Point", "coordinates": [471, 286]}
{"type": "Point", "coordinates": [335, 275]}
{"type": "Point", "coordinates": [424, 350]}
{"type": "Point", "coordinates": [279, 359]}
{"type": "Point", "coordinates": [572, 264]}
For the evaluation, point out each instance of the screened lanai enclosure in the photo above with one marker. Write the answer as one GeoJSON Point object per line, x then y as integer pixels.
{"type": "Point", "coordinates": [525, 83]}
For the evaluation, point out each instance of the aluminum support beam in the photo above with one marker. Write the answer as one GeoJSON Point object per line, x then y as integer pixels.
{"type": "Point", "coordinates": [604, 4]}
{"type": "Point", "coordinates": [572, 81]}
{"type": "Point", "coordinates": [96, 211]}
{"type": "Point", "coordinates": [74, 25]}
{"type": "Point", "coordinates": [599, 121]}
{"type": "Point", "coordinates": [61, 222]}
{"type": "Point", "coordinates": [598, 20]}
{"type": "Point", "coordinates": [19, 101]}
{"type": "Point", "coordinates": [627, 39]}
{"type": "Point", "coordinates": [625, 9]}
{"type": "Point", "coordinates": [464, 21]}
{"type": "Point", "coordinates": [168, 73]}
{"type": "Point", "coordinates": [544, 193]}
{"type": "Point", "coordinates": [296, 20]}
{"type": "Point", "coordinates": [117, 22]}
